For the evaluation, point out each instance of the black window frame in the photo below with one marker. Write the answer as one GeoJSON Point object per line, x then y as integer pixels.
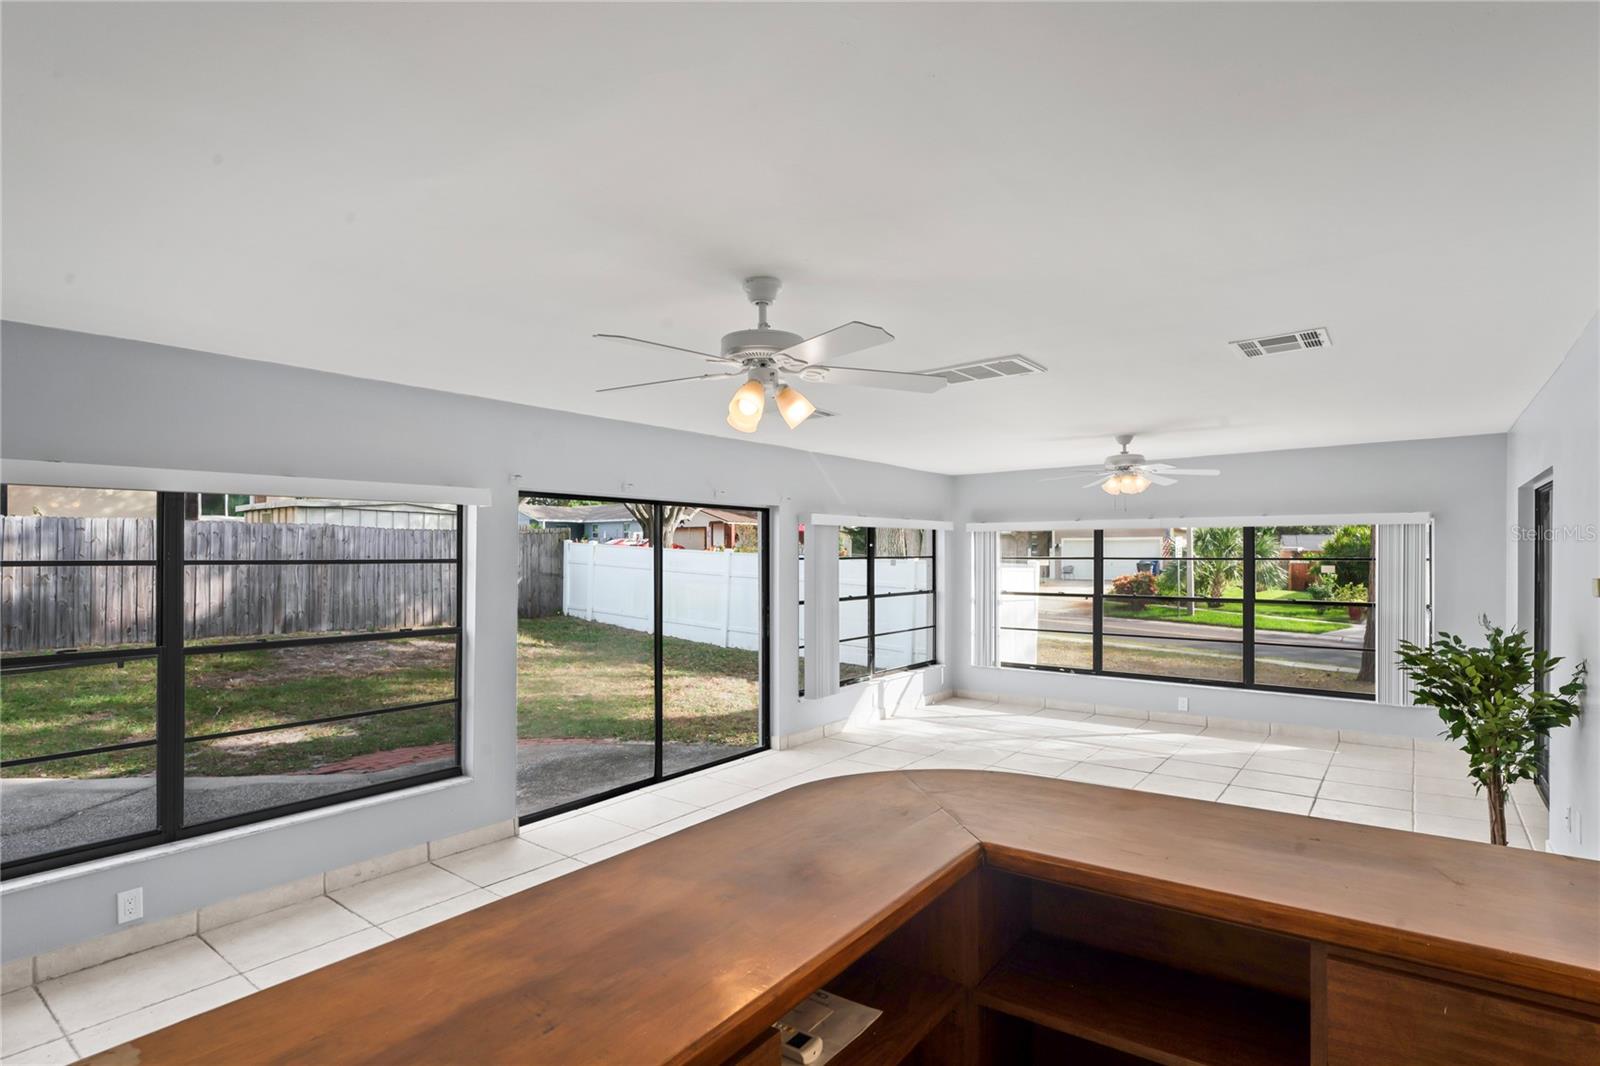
{"type": "Point", "coordinates": [1247, 639]}
{"type": "Point", "coordinates": [657, 549]}
{"type": "Point", "coordinates": [872, 596]}
{"type": "Point", "coordinates": [1543, 561]}
{"type": "Point", "coordinates": [171, 651]}
{"type": "Point", "coordinates": [800, 614]}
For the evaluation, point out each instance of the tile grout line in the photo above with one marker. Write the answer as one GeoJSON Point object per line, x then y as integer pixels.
{"type": "Point", "coordinates": [62, 1029]}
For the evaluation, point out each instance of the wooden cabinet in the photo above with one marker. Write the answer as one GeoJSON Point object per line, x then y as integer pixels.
{"type": "Point", "coordinates": [994, 919]}
{"type": "Point", "coordinates": [1376, 1014]}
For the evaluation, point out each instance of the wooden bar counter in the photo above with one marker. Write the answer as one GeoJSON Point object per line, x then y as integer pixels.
{"type": "Point", "coordinates": [994, 918]}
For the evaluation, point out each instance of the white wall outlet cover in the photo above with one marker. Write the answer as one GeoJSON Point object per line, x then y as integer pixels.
{"type": "Point", "coordinates": [1183, 703]}
{"type": "Point", "coordinates": [130, 905]}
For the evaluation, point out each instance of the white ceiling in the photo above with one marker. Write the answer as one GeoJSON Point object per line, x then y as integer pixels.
{"type": "Point", "coordinates": [456, 196]}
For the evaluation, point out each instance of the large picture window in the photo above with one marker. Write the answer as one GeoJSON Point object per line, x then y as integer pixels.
{"type": "Point", "coordinates": [1285, 608]}
{"type": "Point", "coordinates": [887, 586]}
{"type": "Point", "coordinates": [641, 644]}
{"type": "Point", "coordinates": [175, 664]}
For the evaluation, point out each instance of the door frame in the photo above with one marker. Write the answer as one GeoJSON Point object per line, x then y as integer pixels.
{"type": "Point", "coordinates": [1543, 511]}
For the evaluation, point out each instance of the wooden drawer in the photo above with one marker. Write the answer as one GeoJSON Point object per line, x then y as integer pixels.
{"type": "Point", "coordinates": [1380, 1015]}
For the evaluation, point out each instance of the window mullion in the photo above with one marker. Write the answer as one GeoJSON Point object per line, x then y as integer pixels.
{"type": "Point", "coordinates": [169, 663]}
{"type": "Point", "coordinates": [1098, 622]}
{"type": "Point", "coordinates": [872, 606]}
{"type": "Point", "coordinates": [658, 565]}
{"type": "Point", "coordinates": [933, 596]}
{"type": "Point", "coordinates": [1249, 591]}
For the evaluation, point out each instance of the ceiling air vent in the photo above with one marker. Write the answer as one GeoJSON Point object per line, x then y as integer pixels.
{"type": "Point", "coordinates": [1297, 341]}
{"type": "Point", "coordinates": [1007, 366]}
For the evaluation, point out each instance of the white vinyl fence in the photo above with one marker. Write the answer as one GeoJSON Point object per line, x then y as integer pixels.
{"type": "Point", "coordinates": [713, 597]}
{"type": "Point", "coordinates": [893, 615]}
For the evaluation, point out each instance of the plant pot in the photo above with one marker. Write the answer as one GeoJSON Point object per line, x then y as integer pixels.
{"type": "Point", "coordinates": [1356, 613]}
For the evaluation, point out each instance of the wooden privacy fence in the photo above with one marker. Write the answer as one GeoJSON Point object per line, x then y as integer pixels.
{"type": "Point", "coordinates": [540, 571]}
{"type": "Point", "coordinates": [243, 579]}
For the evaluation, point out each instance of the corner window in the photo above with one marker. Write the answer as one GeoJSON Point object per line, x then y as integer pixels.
{"type": "Point", "coordinates": [175, 664]}
{"type": "Point", "coordinates": [887, 588]}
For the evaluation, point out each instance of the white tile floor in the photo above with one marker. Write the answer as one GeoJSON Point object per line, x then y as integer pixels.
{"type": "Point", "coordinates": [1421, 787]}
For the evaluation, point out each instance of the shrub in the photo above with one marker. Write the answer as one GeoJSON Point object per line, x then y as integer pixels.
{"type": "Point", "coordinates": [1355, 592]}
{"type": "Point", "coordinates": [1349, 541]}
{"type": "Point", "coordinates": [1170, 581]}
{"type": "Point", "coordinates": [1140, 584]}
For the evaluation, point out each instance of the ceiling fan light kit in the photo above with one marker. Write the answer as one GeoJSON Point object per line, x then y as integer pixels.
{"type": "Point", "coordinates": [1128, 484]}
{"type": "Point", "coordinates": [793, 406]}
{"type": "Point", "coordinates": [748, 403]}
{"type": "Point", "coordinates": [764, 356]}
{"type": "Point", "coordinates": [1127, 474]}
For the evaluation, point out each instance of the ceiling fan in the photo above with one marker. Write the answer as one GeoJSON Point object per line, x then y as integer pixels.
{"type": "Point", "coordinates": [1127, 474]}
{"type": "Point", "coordinates": [768, 359]}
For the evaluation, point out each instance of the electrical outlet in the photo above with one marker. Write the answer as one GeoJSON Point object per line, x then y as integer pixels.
{"type": "Point", "coordinates": [130, 906]}
{"type": "Point", "coordinates": [1183, 703]}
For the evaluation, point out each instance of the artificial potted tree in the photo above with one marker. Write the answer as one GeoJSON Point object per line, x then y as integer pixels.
{"type": "Point", "coordinates": [1491, 703]}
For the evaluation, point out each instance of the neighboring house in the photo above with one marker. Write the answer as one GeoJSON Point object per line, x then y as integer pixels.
{"type": "Point", "coordinates": [372, 514]}
{"type": "Point", "coordinates": [705, 528]}
{"type": "Point", "coordinates": [1068, 555]}
{"type": "Point", "coordinates": [711, 527]}
{"type": "Point", "coordinates": [590, 521]}
{"type": "Point", "coordinates": [1293, 545]}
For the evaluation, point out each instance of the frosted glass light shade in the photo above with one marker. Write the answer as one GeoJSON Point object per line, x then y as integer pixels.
{"type": "Point", "coordinates": [744, 410]}
{"type": "Point", "coordinates": [793, 406]}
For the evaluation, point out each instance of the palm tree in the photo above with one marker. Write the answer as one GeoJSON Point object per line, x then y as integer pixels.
{"type": "Point", "coordinates": [1217, 551]}
{"type": "Point", "coordinates": [1219, 560]}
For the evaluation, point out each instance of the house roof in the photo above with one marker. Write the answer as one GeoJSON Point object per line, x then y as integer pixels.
{"type": "Point", "coordinates": [275, 502]}
{"type": "Point", "coordinates": [732, 518]}
{"type": "Point", "coordinates": [587, 512]}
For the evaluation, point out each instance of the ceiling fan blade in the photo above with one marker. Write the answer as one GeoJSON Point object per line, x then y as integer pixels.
{"type": "Point", "coordinates": [669, 381]}
{"type": "Point", "coordinates": [1075, 472]}
{"type": "Point", "coordinates": [1168, 468]}
{"type": "Point", "coordinates": [1159, 479]}
{"type": "Point", "coordinates": [619, 338]}
{"type": "Point", "coordinates": [878, 379]}
{"type": "Point", "coordinates": [1096, 481]}
{"type": "Point", "coordinates": [838, 341]}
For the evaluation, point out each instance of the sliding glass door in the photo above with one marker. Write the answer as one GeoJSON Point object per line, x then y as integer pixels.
{"type": "Point", "coordinates": [641, 646]}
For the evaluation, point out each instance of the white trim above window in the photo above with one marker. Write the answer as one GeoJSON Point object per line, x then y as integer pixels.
{"type": "Point", "coordinates": [1258, 520]}
{"type": "Point", "coordinates": [98, 476]}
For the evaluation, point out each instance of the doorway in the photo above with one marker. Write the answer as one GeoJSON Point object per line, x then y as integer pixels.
{"type": "Point", "coordinates": [638, 658]}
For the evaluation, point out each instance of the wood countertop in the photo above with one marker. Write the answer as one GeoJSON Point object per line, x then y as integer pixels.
{"type": "Point", "coordinates": [686, 948]}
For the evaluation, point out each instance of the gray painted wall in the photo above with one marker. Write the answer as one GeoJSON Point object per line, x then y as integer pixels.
{"type": "Point", "coordinates": [1457, 479]}
{"type": "Point", "coordinates": [1558, 437]}
{"type": "Point", "coordinates": [80, 398]}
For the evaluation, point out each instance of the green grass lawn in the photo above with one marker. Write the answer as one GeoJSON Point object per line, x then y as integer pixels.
{"type": "Point", "coordinates": [589, 680]}
{"type": "Point", "coordinates": [1183, 664]}
{"type": "Point", "coordinates": [1276, 609]}
{"type": "Point", "coordinates": [64, 710]}
{"type": "Point", "coordinates": [575, 680]}
{"type": "Point", "coordinates": [1223, 616]}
